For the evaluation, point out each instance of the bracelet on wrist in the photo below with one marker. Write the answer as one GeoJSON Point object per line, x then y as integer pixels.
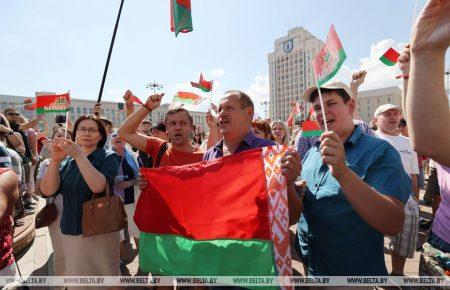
{"type": "Point", "coordinates": [144, 105]}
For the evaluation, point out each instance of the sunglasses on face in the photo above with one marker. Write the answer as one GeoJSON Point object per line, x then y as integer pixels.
{"type": "Point", "coordinates": [13, 114]}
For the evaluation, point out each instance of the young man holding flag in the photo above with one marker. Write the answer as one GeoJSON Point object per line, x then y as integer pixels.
{"type": "Point", "coordinates": [356, 190]}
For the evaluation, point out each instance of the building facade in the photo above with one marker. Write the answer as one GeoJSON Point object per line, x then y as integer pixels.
{"type": "Point", "coordinates": [291, 72]}
{"type": "Point", "coordinates": [369, 101]}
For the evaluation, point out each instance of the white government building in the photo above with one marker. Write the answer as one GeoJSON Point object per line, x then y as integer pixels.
{"type": "Point", "coordinates": [81, 107]}
{"type": "Point", "coordinates": [290, 71]}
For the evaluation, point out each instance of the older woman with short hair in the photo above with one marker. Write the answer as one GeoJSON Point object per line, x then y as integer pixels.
{"type": "Point", "coordinates": [78, 169]}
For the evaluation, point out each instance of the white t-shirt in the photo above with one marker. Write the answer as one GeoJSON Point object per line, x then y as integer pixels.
{"type": "Point", "coordinates": [42, 168]}
{"type": "Point", "coordinates": [403, 146]}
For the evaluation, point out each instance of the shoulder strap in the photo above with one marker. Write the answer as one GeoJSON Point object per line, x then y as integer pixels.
{"type": "Point", "coordinates": [161, 152]}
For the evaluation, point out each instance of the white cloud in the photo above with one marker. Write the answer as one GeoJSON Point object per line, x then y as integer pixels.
{"type": "Point", "coordinates": [217, 73]}
{"type": "Point", "coordinates": [259, 89]}
{"type": "Point", "coordinates": [379, 75]}
{"type": "Point", "coordinates": [259, 92]}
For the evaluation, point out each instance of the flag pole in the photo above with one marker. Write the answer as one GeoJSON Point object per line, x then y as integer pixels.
{"type": "Point", "coordinates": [321, 101]}
{"type": "Point", "coordinates": [67, 118]}
{"type": "Point", "coordinates": [109, 53]}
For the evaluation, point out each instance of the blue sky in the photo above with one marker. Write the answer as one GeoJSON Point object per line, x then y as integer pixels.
{"type": "Point", "coordinates": [53, 45]}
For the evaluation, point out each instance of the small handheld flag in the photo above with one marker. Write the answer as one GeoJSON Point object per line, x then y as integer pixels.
{"type": "Point", "coordinates": [390, 57]}
{"type": "Point", "coordinates": [203, 85]}
{"type": "Point", "coordinates": [310, 128]}
{"type": "Point", "coordinates": [329, 59]}
{"type": "Point", "coordinates": [135, 99]}
{"type": "Point", "coordinates": [187, 98]}
{"type": "Point", "coordinates": [295, 111]}
{"type": "Point", "coordinates": [52, 103]}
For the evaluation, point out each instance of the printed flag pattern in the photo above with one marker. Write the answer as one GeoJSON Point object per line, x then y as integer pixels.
{"type": "Point", "coordinates": [193, 223]}
{"type": "Point", "coordinates": [390, 57]}
{"type": "Point", "coordinates": [329, 59]}
{"type": "Point", "coordinates": [278, 209]}
{"type": "Point", "coordinates": [203, 85]}
{"type": "Point", "coordinates": [52, 103]}
{"type": "Point", "coordinates": [311, 128]}
{"type": "Point", "coordinates": [187, 98]}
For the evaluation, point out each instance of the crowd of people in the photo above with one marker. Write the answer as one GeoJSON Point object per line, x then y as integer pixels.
{"type": "Point", "coordinates": [347, 189]}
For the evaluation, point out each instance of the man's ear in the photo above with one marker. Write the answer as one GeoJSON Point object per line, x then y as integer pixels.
{"type": "Point", "coordinates": [250, 112]}
{"type": "Point", "coordinates": [351, 106]}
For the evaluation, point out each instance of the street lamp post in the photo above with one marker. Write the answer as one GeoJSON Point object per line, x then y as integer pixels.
{"type": "Point", "coordinates": [154, 86]}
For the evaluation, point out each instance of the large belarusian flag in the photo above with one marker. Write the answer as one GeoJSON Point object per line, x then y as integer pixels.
{"type": "Point", "coordinates": [216, 218]}
{"type": "Point", "coordinates": [329, 59]}
{"type": "Point", "coordinates": [203, 84]}
{"type": "Point", "coordinates": [52, 103]}
{"type": "Point", "coordinates": [180, 16]}
{"type": "Point", "coordinates": [390, 57]}
{"type": "Point", "coordinates": [187, 98]}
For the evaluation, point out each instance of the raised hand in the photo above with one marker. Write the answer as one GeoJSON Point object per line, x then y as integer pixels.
{"type": "Point", "coordinates": [403, 60]}
{"type": "Point", "coordinates": [211, 121]}
{"type": "Point", "coordinates": [431, 31]}
{"type": "Point", "coordinates": [358, 78]}
{"type": "Point", "coordinates": [127, 96]}
{"type": "Point", "coordinates": [154, 101]}
{"type": "Point", "coordinates": [97, 109]}
{"type": "Point", "coordinates": [69, 147]}
{"type": "Point", "coordinates": [57, 153]}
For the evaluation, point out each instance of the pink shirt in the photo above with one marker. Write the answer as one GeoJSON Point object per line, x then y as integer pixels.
{"type": "Point", "coordinates": [441, 223]}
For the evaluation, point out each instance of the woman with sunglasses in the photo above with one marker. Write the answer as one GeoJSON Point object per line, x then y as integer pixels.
{"type": "Point", "coordinates": [78, 169]}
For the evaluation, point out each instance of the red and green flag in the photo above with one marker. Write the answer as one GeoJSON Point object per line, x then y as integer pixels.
{"type": "Point", "coordinates": [52, 103]}
{"type": "Point", "coordinates": [135, 99]}
{"type": "Point", "coordinates": [390, 57]}
{"type": "Point", "coordinates": [203, 85]}
{"type": "Point", "coordinates": [295, 112]}
{"type": "Point", "coordinates": [187, 98]}
{"type": "Point", "coordinates": [180, 16]}
{"type": "Point", "coordinates": [194, 223]}
{"type": "Point", "coordinates": [311, 128]}
{"type": "Point", "coordinates": [329, 59]}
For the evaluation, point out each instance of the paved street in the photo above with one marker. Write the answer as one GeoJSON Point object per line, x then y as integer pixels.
{"type": "Point", "coordinates": [36, 259]}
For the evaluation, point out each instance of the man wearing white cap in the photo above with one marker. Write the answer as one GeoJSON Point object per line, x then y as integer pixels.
{"type": "Point", "coordinates": [355, 192]}
{"type": "Point", "coordinates": [402, 245]}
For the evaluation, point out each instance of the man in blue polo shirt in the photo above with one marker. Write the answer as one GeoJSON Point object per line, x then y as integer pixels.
{"type": "Point", "coordinates": [235, 121]}
{"type": "Point", "coordinates": [356, 189]}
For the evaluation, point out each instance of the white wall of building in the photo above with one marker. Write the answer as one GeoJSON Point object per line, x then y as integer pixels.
{"type": "Point", "coordinates": [290, 72]}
